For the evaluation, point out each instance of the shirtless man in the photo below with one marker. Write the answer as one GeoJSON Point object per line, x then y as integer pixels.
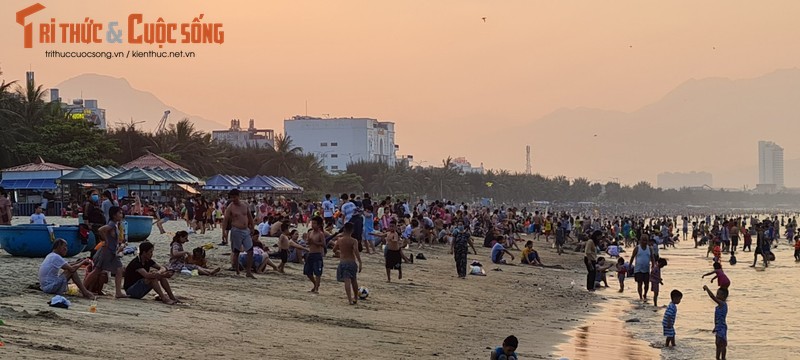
{"type": "Point", "coordinates": [393, 255]}
{"type": "Point", "coordinates": [348, 268]}
{"type": "Point", "coordinates": [537, 224]}
{"type": "Point", "coordinates": [284, 243]}
{"type": "Point", "coordinates": [239, 217]}
{"type": "Point", "coordinates": [316, 247]}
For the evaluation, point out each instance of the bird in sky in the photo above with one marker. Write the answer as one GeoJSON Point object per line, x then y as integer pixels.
{"type": "Point", "coordinates": [484, 18]}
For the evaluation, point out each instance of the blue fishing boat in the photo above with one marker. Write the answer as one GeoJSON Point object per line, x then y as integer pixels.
{"type": "Point", "coordinates": [34, 241]}
{"type": "Point", "coordinates": [139, 227]}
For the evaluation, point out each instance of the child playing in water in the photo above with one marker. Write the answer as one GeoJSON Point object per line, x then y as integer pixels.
{"type": "Point", "coordinates": [797, 248]}
{"type": "Point", "coordinates": [717, 252]}
{"type": "Point", "coordinates": [720, 323]}
{"type": "Point", "coordinates": [655, 278]}
{"type": "Point", "coordinates": [722, 279]}
{"type": "Point", "coordinates": [669, 317]}
{"type": "Point", "coordinates": [622, 271]}
{"type": "Point", "coordinates": [507, 351]}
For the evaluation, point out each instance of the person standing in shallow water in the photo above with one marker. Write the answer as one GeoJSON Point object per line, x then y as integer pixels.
{"type": "Point", "coordinates": [590, 259]}
{"type": "Point", "coordinates": [642, 259]}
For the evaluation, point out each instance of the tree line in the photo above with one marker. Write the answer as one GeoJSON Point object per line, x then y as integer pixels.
{"type": "Point", "coordinates": [33, 128]}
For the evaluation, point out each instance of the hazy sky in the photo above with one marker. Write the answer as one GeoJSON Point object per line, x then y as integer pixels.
{"type": "Point", "coordinates": [433, 67]}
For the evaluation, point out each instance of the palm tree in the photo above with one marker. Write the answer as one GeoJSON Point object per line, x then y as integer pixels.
{"type": "Point", "coordinates": [9, 120]}
{"type": "Point", "coordinates": [280, 164]}
{"type": "Point", "coordinates": [32, 107]}
{"type": "Point", "coordinates": [309, 173]}
{"type": "Point", "coordinates": [191, 148]}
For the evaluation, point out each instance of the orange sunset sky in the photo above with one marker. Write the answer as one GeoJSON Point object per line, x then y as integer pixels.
{"type": "Point", "coordinates": [444, 76]}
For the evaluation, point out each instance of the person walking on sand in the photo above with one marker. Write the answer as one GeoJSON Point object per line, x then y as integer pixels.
{"type": "Point", "coordinates": [459, 247]}
{"type": "Point", "coordinates": [316, 246]}
{"type": "Point", "coordinates": [348, 269]}
{"type": "Point", "coordinates": [642, 260]}
{"type": "Point", "coordinates": [240, 219]}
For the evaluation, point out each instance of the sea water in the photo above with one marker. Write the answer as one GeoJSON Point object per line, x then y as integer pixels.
{"type": "Point", "coordinates": [763, 321]}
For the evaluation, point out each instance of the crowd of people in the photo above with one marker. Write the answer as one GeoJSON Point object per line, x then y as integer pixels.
{"type": "Point", "coordinates": [348, 225]}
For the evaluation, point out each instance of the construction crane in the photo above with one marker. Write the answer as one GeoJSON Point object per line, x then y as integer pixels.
{"type": "Point", "coordinates": [162, 125]}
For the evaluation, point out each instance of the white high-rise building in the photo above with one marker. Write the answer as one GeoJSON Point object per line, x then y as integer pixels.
{"type": "Point", "coordinates": [770, 164]}
{"type": "Point", "coordinates": [340, 141]}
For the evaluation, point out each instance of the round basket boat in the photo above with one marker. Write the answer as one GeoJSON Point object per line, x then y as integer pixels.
{"type": "Point", "coordinates": [34, 240]}
{"type": "Point", "coordinates": [139, 227]}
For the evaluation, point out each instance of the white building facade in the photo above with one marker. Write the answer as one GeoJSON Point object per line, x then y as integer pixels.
{"type": "Point", "coordinates": [340, 141]}
{"type": "Point", "coordinates": [770, 164]}
{"type": "Point", "coordinates": [466, 167]}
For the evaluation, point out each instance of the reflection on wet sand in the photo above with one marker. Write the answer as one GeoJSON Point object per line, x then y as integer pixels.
{"type": "Point", "coordinates": [604, 337]}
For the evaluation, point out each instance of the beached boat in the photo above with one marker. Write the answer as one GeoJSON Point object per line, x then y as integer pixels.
{"type": "Point", "coordinates": [35, 241]}
{"type": "Point", "coordinates": [139, 227]}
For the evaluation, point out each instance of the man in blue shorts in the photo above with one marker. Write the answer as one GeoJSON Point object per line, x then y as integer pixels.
{"type": "Point", "coordinates": [316, 247]}
{"type": "Point", "coordinates": [240, 220]}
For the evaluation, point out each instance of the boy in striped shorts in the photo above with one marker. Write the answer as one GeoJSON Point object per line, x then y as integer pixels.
{"type": "Point", "coordinates": [670, 315]}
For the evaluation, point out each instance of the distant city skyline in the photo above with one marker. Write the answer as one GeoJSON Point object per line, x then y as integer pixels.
{"type": "Point", "coordinates": [445, 76]}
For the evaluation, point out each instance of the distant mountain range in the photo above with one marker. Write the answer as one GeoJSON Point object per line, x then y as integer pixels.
{"type": "Point", "coordinates": [712, 124]}
{"type": "Point", "coordinates": [123, 102]}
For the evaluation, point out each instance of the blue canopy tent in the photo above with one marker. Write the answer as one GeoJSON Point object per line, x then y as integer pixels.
{"type": "Point", "coordinates": [258, 183]}
{"type": "Point", "coordinates": [223, 182]}
{"type": "Point", "coordinates": [90, 174]}
{"type": "Point", "coordinates": [33, 184]}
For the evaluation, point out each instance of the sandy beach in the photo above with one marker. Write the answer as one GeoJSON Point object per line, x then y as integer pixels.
{"type": "Point", "coordinates": [430, 313]}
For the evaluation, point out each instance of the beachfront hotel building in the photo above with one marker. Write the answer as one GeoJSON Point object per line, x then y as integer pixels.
{"type": "Point", "coordinates": [466, 167]}
{"type": "Point", "coordinates": [79, 109]}
{"type": "Point", "coordinates": [340, 141]}
{"type": "Point", "coordinates": [770, 166]}
{"type": "Point", "coordinates": [250, 137]}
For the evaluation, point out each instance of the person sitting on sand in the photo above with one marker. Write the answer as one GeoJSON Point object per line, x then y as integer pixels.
{"type": "Point", "coordinates": [260, 256]}
{"type": "Point", "coordinates": [53, 282]}
{"type": "Point", "coordinates": [529, 255]}
{"type": "Point", "coordinates": [507, 351]}
{"type": "Point", "coordinates": [178, 256]}
{"type": "Point", "coordinates": [601, 268]}
{"type": "Point", "coordinates": [264, 227]}
{"type": "Point", "coordinates": [498, 250]}
{"type": "Point", "coordinates": [198, 257]}
{"type": "Point", "coordinates": [139, 279]}
{"type": "Point", "coordinates": [284, 244]}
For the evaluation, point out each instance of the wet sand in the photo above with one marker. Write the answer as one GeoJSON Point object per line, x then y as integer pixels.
{"type": "Point", "coordinates": [430, 313]}
{"type": "Point", "coordinates": [604, 336]}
